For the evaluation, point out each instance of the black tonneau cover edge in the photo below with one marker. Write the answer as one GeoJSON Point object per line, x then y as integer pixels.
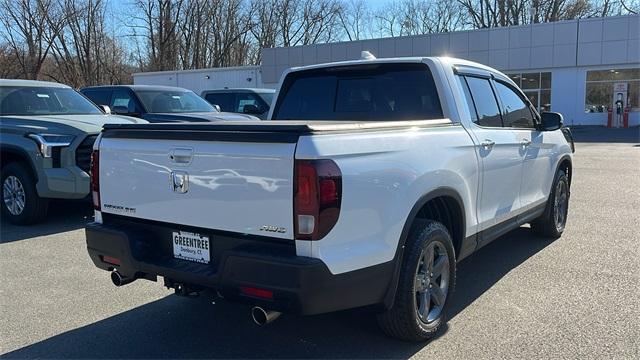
{"type": "Point", "coordinates": [264, 131]}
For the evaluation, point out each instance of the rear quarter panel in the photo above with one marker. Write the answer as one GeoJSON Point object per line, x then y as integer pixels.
{"type": "Point", "coordinates": [384, 174]}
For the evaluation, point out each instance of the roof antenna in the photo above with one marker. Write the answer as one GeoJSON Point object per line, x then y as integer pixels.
{"type": "Point", "coordinates": [366, 55]}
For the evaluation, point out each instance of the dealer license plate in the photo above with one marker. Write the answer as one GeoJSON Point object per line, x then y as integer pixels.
{"type": "Point", "coordinates": [191, 246]}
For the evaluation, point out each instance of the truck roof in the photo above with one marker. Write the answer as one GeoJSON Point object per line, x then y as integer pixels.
{"type": "Point", "coordinates": [31, 83]}
{"type": "Point", "coordinates": [445, 60]}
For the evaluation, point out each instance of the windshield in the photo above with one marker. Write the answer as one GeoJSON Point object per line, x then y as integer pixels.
{"type": "Point", "coordinates": [170, 101]}
{"type": "Point", "coordinates": [363, 92]}
{"type": "Point", "coordinates": [28, 100]}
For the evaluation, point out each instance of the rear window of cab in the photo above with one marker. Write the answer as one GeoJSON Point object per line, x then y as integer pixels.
{"type": "Point", "coordinates": [361, 93]}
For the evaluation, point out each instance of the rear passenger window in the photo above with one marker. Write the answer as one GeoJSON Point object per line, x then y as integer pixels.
{"type": "Point", "coordinates": [515, 112]}
{"type": "Point", "coordinates": [485, 102]}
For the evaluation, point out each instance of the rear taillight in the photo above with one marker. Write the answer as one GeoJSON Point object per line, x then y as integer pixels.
{"type": "Point", "coordinates": [111, 260]}
{"type": "Point", "coordinates": [95, 179]}
{"type": "Point", "coordinates": [257, 292]}
{"type": "Point", "coordinates": [317, 198]}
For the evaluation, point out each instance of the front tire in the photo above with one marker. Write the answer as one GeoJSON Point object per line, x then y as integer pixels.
{"type": "Point", "coordinates": [21, 204]}
{"type": "Point", "coordinates": [426, 283]}
{"type": "Point", "coordinates": [552, 222]}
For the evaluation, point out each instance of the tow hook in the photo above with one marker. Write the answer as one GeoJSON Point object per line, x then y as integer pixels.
{"type": "Point", "coordinates": [182, 289]}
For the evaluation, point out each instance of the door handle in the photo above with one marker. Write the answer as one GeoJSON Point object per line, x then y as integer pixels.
{"type": "Point", "coordinates": [487, 144]}
{"type": "Point", "coordinates": [525, 142]}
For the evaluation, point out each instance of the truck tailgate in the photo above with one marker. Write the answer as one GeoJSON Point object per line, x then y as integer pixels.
{"type": "Point", "coordinates": [242, 187]}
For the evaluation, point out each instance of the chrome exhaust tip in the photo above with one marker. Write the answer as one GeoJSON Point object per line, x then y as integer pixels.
{"type": "Point", "coordinates": [119, 279]}
{"type": "Point", "coordinates": [261, 316]}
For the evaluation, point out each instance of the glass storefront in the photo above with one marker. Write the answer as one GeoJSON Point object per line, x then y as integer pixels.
{"type": "Point", "coordinates": [606, 87]}
{"type": "Point", "coordinates": [536, 86]}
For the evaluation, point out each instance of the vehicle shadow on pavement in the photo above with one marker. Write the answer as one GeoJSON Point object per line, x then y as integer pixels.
{"type": "Point", "coordinates": [175, 327]}
{"type": "Point", "coordinates": [63, 215]}
{"type": "Point", "coordinates": [480, 271]}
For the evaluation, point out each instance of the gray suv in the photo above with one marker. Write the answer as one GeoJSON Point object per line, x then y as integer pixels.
{"type": "Point", "coordinates": [47, 132]}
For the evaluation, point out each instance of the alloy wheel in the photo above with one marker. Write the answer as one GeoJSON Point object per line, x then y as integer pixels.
{"type": "Point", "coordinates": [13, 195]}
{"type": "Point", "coordinates": [431, 282]}
{"type": "Point", "coordinates": [561, 205]}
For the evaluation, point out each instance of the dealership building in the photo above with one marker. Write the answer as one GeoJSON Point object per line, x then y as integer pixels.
{"type": "Point", "coordinates": [587, 69]}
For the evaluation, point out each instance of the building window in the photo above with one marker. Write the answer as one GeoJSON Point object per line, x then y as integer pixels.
{"type": "Point", "coordinates": [606, 87]}
{"type": "Point", "coordinates": [537, 87]}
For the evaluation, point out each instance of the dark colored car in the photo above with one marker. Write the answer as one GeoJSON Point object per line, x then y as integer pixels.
{"type": "Point", "coordinates": [158, 103]}
{"type": "Point", "coordinates": [255, 102]}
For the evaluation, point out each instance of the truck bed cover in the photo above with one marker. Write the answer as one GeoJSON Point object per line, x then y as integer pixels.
{"type": "Point", "coordinates": [287, 126]}
{"type": "Point", "coordinates": [258, 131]}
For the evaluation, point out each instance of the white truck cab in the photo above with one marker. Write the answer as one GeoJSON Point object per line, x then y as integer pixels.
{"type": "Point", "coordinates": [371, 180]}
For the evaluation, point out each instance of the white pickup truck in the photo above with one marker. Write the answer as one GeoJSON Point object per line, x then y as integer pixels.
{"type": "Point", "coordinates": [372, 180]}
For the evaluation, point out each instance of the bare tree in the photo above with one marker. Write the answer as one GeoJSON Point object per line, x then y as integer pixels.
{"type": "Point", "coordinates": [304, 22]}
{"type": "Point", "coordinates": [193, 34]}
{"type": "Point", "coordinates": [30, 28]}
{"type": "Point", "coordinates": [266, 26]}
{"type": "Point", "coordinates": [492, 13]}
{"type": "Point", "coordinates": [8, 67]}
{"type": "Point", "coordinates": [556, 10]}
{"type": "Point", "coordinates": [156, 22]}
{"type": "Point", "coordinates": [427, 17]}
{"type": "Point", "coordinates": [228, 45]}
{"type": "Point", "coordinates": [355, 19]}
{"type": "Point", "coordinates": [415, 17]}
{"type": "Point", "coordinates": [387, 20]}
{"type": "Point", "coordinates": [83, 53]}
{"type": "Point", "coordinates": [68, 40]}
{"type": "Point", "coordinates": [632, 7]}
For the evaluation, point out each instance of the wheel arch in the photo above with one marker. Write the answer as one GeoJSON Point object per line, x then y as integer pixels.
{"type": "Point", "coordinates": [9, 154]}
{"type": "Point", "coordinates": [448, 203]}
{"type": "Point", "coordinates": [566, 164]}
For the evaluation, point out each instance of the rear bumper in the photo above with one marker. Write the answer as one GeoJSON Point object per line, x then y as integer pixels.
{"type": "Point", "coordinates": [299, 284]}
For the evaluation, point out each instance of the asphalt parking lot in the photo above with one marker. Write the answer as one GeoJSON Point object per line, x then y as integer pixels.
{"type": "Point", "coordinates": [519, 297]}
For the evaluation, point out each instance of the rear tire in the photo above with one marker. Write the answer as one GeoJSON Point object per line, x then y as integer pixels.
{"type": "Point", "coordinates": [552, 222]}
{"type": "Point", "coordinates": [20, 203]}
{"type": "Point", "coordinates": [425, 286]}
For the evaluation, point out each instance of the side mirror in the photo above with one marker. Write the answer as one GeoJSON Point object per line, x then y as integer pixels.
{"type": "Point", "coordinates": [217, 107]}
{"type": "Point", "coordinates": [105, 109]}
{"type": "Point", "coordinates": [251, 109]}
{"type": "Point", "coordinates": [551, 121]}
